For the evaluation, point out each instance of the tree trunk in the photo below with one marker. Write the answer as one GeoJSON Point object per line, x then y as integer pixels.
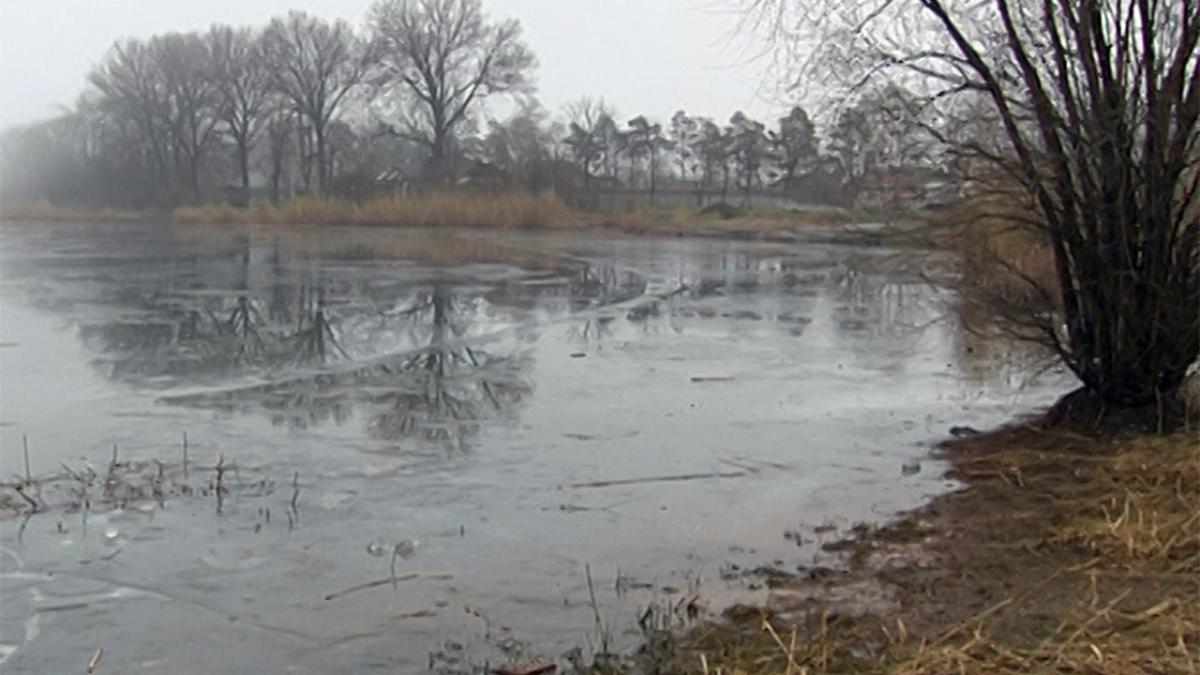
{"type": "Point", "coordinates": [653, 171]}
{"type": "Point", "coordinates": [322, 160]}
{"type": "Point", "coordinates": [243, 148]}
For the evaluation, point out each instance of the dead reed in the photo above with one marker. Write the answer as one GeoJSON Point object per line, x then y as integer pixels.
{"type": "Point", "coordinates": [507, 210]}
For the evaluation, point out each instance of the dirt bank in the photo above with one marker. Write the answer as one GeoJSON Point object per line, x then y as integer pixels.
{"type": "Point", "coordinates": [1061, 553]}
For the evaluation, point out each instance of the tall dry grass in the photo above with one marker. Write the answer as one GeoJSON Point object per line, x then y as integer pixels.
{"type": "Point", "coordinates": [21, 210]}
{"type": "Point", "coordinates": [1005, 254]}
{"type": "Point", "coordinates": [510, 210]}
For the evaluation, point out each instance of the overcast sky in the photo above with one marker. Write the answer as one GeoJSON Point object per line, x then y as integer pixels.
{"type": "Point", "coordinates": [643, 56]}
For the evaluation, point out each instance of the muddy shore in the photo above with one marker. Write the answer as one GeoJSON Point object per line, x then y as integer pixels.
{"type": "Point", "coordinates": [1061, 553]}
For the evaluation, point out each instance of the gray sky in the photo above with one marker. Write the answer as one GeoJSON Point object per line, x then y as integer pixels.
{"type": "Point", "coordinates": [647, 56]}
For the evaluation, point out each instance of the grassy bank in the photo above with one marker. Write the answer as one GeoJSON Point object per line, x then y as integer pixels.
{"type": "Point", "coordinates": [507, 210]}
{"type": "Point", "coordinates": [43, 211]}
{"type": "Point", "coordinates": [515, 210]}
{"type": "Point", "coordinates": [1062, 553]}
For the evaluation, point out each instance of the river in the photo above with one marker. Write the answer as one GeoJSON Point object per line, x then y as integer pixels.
{"type": "Point", "coordinates": [409, 450]}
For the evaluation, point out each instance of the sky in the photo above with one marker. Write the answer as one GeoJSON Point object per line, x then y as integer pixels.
{"type": "Point", "coordinates": [642, 56]}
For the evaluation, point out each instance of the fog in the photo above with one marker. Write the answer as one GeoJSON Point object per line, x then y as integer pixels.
{"type": "Point", "coordinates": [644, 58]}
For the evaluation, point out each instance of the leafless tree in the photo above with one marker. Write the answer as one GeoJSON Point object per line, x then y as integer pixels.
{"type": "Point", "coordinates": [438, 59]}
{"type": "Point", "coordinates": [315, 63]}
{"type": "Point", "coordinates": [243, 79]}
{"type": "Point", "coordinates": [280, 129]}
{"type": "Point", "coordinates": [584, 138]}
{"type": "Point", "coordinates": [1098, 102]}
{"type": "Point", "coordinates": [194, 102]}
{"type": "Point", "coordinates": [166, 85]}
{"type": "Point", "coordinates": [128, 84]}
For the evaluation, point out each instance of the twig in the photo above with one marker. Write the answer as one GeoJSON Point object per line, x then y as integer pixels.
{"type": "Point", "coordinates": [372, 584]}
{"type": "Point", "coordinates": [185, 459]}
{"type": "Point", "coordinates": [220, 486]}
{"type": "Point", "coordinates": [32, 504]}
{"type": "Point", "coordinates": [94, 662]}
{"type": "Point", "coordinates": [658, 479]}
{"type": "Point", "coordinates": [25, 448]}
{"type": "Point", "coordinates": [600, 632]}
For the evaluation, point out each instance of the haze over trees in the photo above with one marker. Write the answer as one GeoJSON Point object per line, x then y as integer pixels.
{"type": "Point", "coordinates": [304, 105]}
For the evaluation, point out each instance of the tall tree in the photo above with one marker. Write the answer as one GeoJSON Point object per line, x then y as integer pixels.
{"type": "Point", "coordinates": [194, 103]}
{"type": "Point", "coordinates": [244, 81]}
{"type": "Point", "coordinates": [518, 144]}
{"type": "Point", "coordinates": [795, 145]}
{"type": "Point", "coordinates": [315, 63]}
{"type": "Point", "coordinates": [1099, 103]}
{"type": "Point", "coordinates": [438, 60]}
{"type": "Point", "coordinates": [713, 147]}
{"type": "Point", "coordinates": [683, 133]}
{"type": "Point", "coordinates": [748, 141]}
{"type": "Point", "coordinates": [584, 138]}
{"type": "Point", "coordinates": [129, 84]}
{"type": "Point", "coordinates": [645, 141]}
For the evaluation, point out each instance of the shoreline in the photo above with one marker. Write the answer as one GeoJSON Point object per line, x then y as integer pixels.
{"type": "Point", "coordinates": [867, 234]}
{"type": "Point", "coordinates": [1060, 552]}
{"type": "Point", "coordinates": [516, 212]}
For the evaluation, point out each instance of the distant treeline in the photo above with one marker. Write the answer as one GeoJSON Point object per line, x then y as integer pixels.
{"type": "Point", "coordinates": [307, 105]}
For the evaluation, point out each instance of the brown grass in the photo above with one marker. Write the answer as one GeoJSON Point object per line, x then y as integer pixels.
{"type": "Point", "coordinates": [1064, 553]}
{"type": "Point", "coordinates": [1005, 253]}
{"type": "Point", "coordinates": [17, 211]}
{"type": "Point", "coordinates": [505, 210]}
{"type": "Point", "coordinates": [511, 210]}
{"type": "Point", "coordinates": [421, 245]}
{"type": "Point", "coordinates": [691, 221]}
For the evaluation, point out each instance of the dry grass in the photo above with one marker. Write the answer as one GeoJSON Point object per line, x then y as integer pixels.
{"type": "Point", "coordinates": [686, 220]}
{"type": "Point", "coordinates": [1064, 554]}
{"type": "Point", "coordinates": [420, 245]}
{"type": "Point", "coordinates": [510, 210]}
{"type": "Point", "coordinates": [505, 210]}
{"type": "Point", "coordinates": [1004, 252]}
{"type": "Point", "coordinates": [43, 211]}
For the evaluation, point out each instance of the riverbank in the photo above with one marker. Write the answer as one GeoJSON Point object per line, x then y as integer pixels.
{"type": "Point", "coordinates": [1061, 553]}
{"type": "Point", "coordinates": [507, 211]}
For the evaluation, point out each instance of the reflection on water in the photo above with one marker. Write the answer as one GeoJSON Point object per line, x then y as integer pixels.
{"type": "Point", "coordinates": [511, 401]}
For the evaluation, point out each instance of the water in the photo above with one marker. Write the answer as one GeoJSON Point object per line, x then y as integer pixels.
{"type": "Point", "coordinates": [493, 412]}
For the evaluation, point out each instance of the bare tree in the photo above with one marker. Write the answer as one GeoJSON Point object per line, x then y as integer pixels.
{"type": "Point", "coordinates": [128, 83]}
{"type": "Point", "coordinates": [243, 79]}
{"type": "Point", "coordinates": [438, 59]}
{"type": "Point", "coordinates": [315, 63]}
{"type": "Point", "coordinates": [194, 102]}
{"type": "Point", "coordinates": [1099, 103]}
{"type": "Point", "coordinates": [280, 128]}
{"type": "Point", "coordinates": [584, 140]}
{"type": "Point", "coordinates": [166, 86]}
{"type": "Point", "coordinates": [879, 132]}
